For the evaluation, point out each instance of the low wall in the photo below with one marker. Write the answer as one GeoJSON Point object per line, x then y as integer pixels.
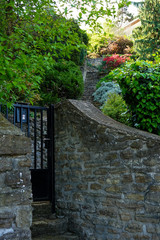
{"type": "Point", "coordinates": [15, 185]}
{"type": "Point", "coordinates": [107, 175]}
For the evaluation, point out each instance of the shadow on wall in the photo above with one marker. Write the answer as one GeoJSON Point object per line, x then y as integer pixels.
{"type": "Point", "coordinates": [107, 175]}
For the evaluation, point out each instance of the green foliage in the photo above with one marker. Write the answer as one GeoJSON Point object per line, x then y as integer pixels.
{"type": "Point", "coordinates": [116, 108]}
{"type": "Point", "coordinates": [140, 84]}
{"type": "Point", "coordinates": [108, 43]}
{"type": "Point", "coordinates": [62, 79]}
{"type": "Point", "coordinates": [27, 45]}
{"type": "Point", "coordinates": [79, 53]}
{"type": "Point", "coordinates": [105, 89]}
{"type": "Point", "coordinates": [147, 36]}
{"type": "Point", "coordinates": [33, 32]}
{"type": "Point", "coordinates": [89, 11]}
{"type": "Point", "coordinates": [99, 40]}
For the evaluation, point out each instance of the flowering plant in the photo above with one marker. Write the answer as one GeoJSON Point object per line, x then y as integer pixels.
{"type": "Point", "coordinates": [114, 61]}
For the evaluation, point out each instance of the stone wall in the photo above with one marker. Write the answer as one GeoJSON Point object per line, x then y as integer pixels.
{"type": "Point", "coordinates": [15, 185]}
{"type": "Point", "coordinates": [107, 175]}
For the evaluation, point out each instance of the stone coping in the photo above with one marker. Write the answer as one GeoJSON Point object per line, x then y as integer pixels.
{"type": "Point", "coordinates": [89, 110]}
{"type": "Point", "coordinates": [6, 128]}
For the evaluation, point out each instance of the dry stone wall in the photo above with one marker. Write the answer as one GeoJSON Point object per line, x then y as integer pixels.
{"type": "Point", "coordinates": [107, 175]}
{"type": "Point", "coordinates": [15, 184]}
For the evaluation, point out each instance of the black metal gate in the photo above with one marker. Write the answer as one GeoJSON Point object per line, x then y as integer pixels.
{"type": "Point", "coordinates": [38, 124]}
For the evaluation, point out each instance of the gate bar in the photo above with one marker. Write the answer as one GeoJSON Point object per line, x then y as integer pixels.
{"type": "Point", "coordinates": [41, 139]}
{"type": "Point", "coordinates": [35, 139]}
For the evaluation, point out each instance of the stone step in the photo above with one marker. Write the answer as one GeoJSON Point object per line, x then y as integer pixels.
{"type": "Point", "coordinates": [41, 210]}
{"type": "Point", "coordinates": [51, 227]}
{"type": "Point", "coordinates": [66, 236]}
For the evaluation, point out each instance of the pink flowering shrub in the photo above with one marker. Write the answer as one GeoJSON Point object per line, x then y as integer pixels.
{"type": "Point", "coordinates": [114, 61]}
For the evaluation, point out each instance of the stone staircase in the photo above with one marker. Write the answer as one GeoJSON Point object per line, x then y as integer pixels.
{"type": "Point", "coordinates": [46, 226]}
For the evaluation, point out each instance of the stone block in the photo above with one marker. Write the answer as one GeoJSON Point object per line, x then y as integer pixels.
{"type": "Point", "coordinates": [157, 177]}
{"type": "Point", "coordinates": [15, 198]}
{"type": "Point", "coordinates": [150, 162]}
{"type": "Point", "coordinates": [113, 188]}
{"type": "Point", "coordinates": [127, 154]}
{"type": "Point", "coordinates": [17, 179]}
{"type": "Point", "coordinates": [141, 237]}
{"type": "Point", "coordinates": [6, 219]}
{"type": "Point", "coordinates": [136, 196]}
{"type": "Point", "coordinates": [24, 216]}
{"type": "Point", "coordinates": [143, 178]}
{"type": "Point", "coordinates": [150, 218]}
{"type": "Point", "coordinates": [16, 145]}
{"type": "Point", "coordinates": [68, 187]}
{"type": "Point", "coordinates": [6, 164]}
{"type": "Point", "coordinates": [126, 216]}
{"type": "Point", "coordinates": [134, 227]}
{"type": "Point", "coordinates": [82, 186]}
{"type": "Point", "coordinates": [25, 163]}
{"type": "Point", "coordinates": [95, 186]}
{"type": "Point", "coordinates": [153, 197]}
{"type": "Point", "coordinates": [101, 171]}
{"type": "Point", "coordinates": [78, 197]}
{"type": "Point", "coordinates": [155, 188]}
{"type": "Point", "coordinates": [138, 144]}
{"type": "Point", "coordinates": [140, 187]}
{"type": "Point", "coordinates": [113, 181]}
{"type": "Point", "coordinates": [109, 212]}
{"type": "Point", "coordinates": [111, 156]}
{"type": "Point", "coordinates": [127, 178]}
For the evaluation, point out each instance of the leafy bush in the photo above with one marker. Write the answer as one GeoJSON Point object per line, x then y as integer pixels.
{"type": "Point", "coordinates": [103, 92]}
{"type": "Point", "coordinates": [123, 43]}
{"type": "Point", "coordinates": [61, 80]}
{"type": "Point", "coordinates": [99, 40]}
{"type": "Point", "coordinates": [116, 108]}
{"type": "Point", "coordinates": [140, 84]}
{"type": "Point", "coordinates": [110, 44]}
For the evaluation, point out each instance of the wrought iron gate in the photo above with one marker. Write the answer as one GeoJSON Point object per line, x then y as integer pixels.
{"type": "Point", "coordinates": [38, 124]}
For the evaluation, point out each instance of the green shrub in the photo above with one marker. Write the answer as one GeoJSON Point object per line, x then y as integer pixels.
{"type": "Point", "coordinates": [116, 108]}
{"type": "Point", "coordinates": [107, 44]}
{"type": "Point", "coordinates": [61, 80]}
{"type": "Point", "coordinates": [140, 84]}
{"type": "Point", "coordinates": [106, 88]}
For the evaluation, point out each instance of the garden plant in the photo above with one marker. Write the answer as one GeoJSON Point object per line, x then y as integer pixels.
{"type": "Point", "coordinates": [140, 85]}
